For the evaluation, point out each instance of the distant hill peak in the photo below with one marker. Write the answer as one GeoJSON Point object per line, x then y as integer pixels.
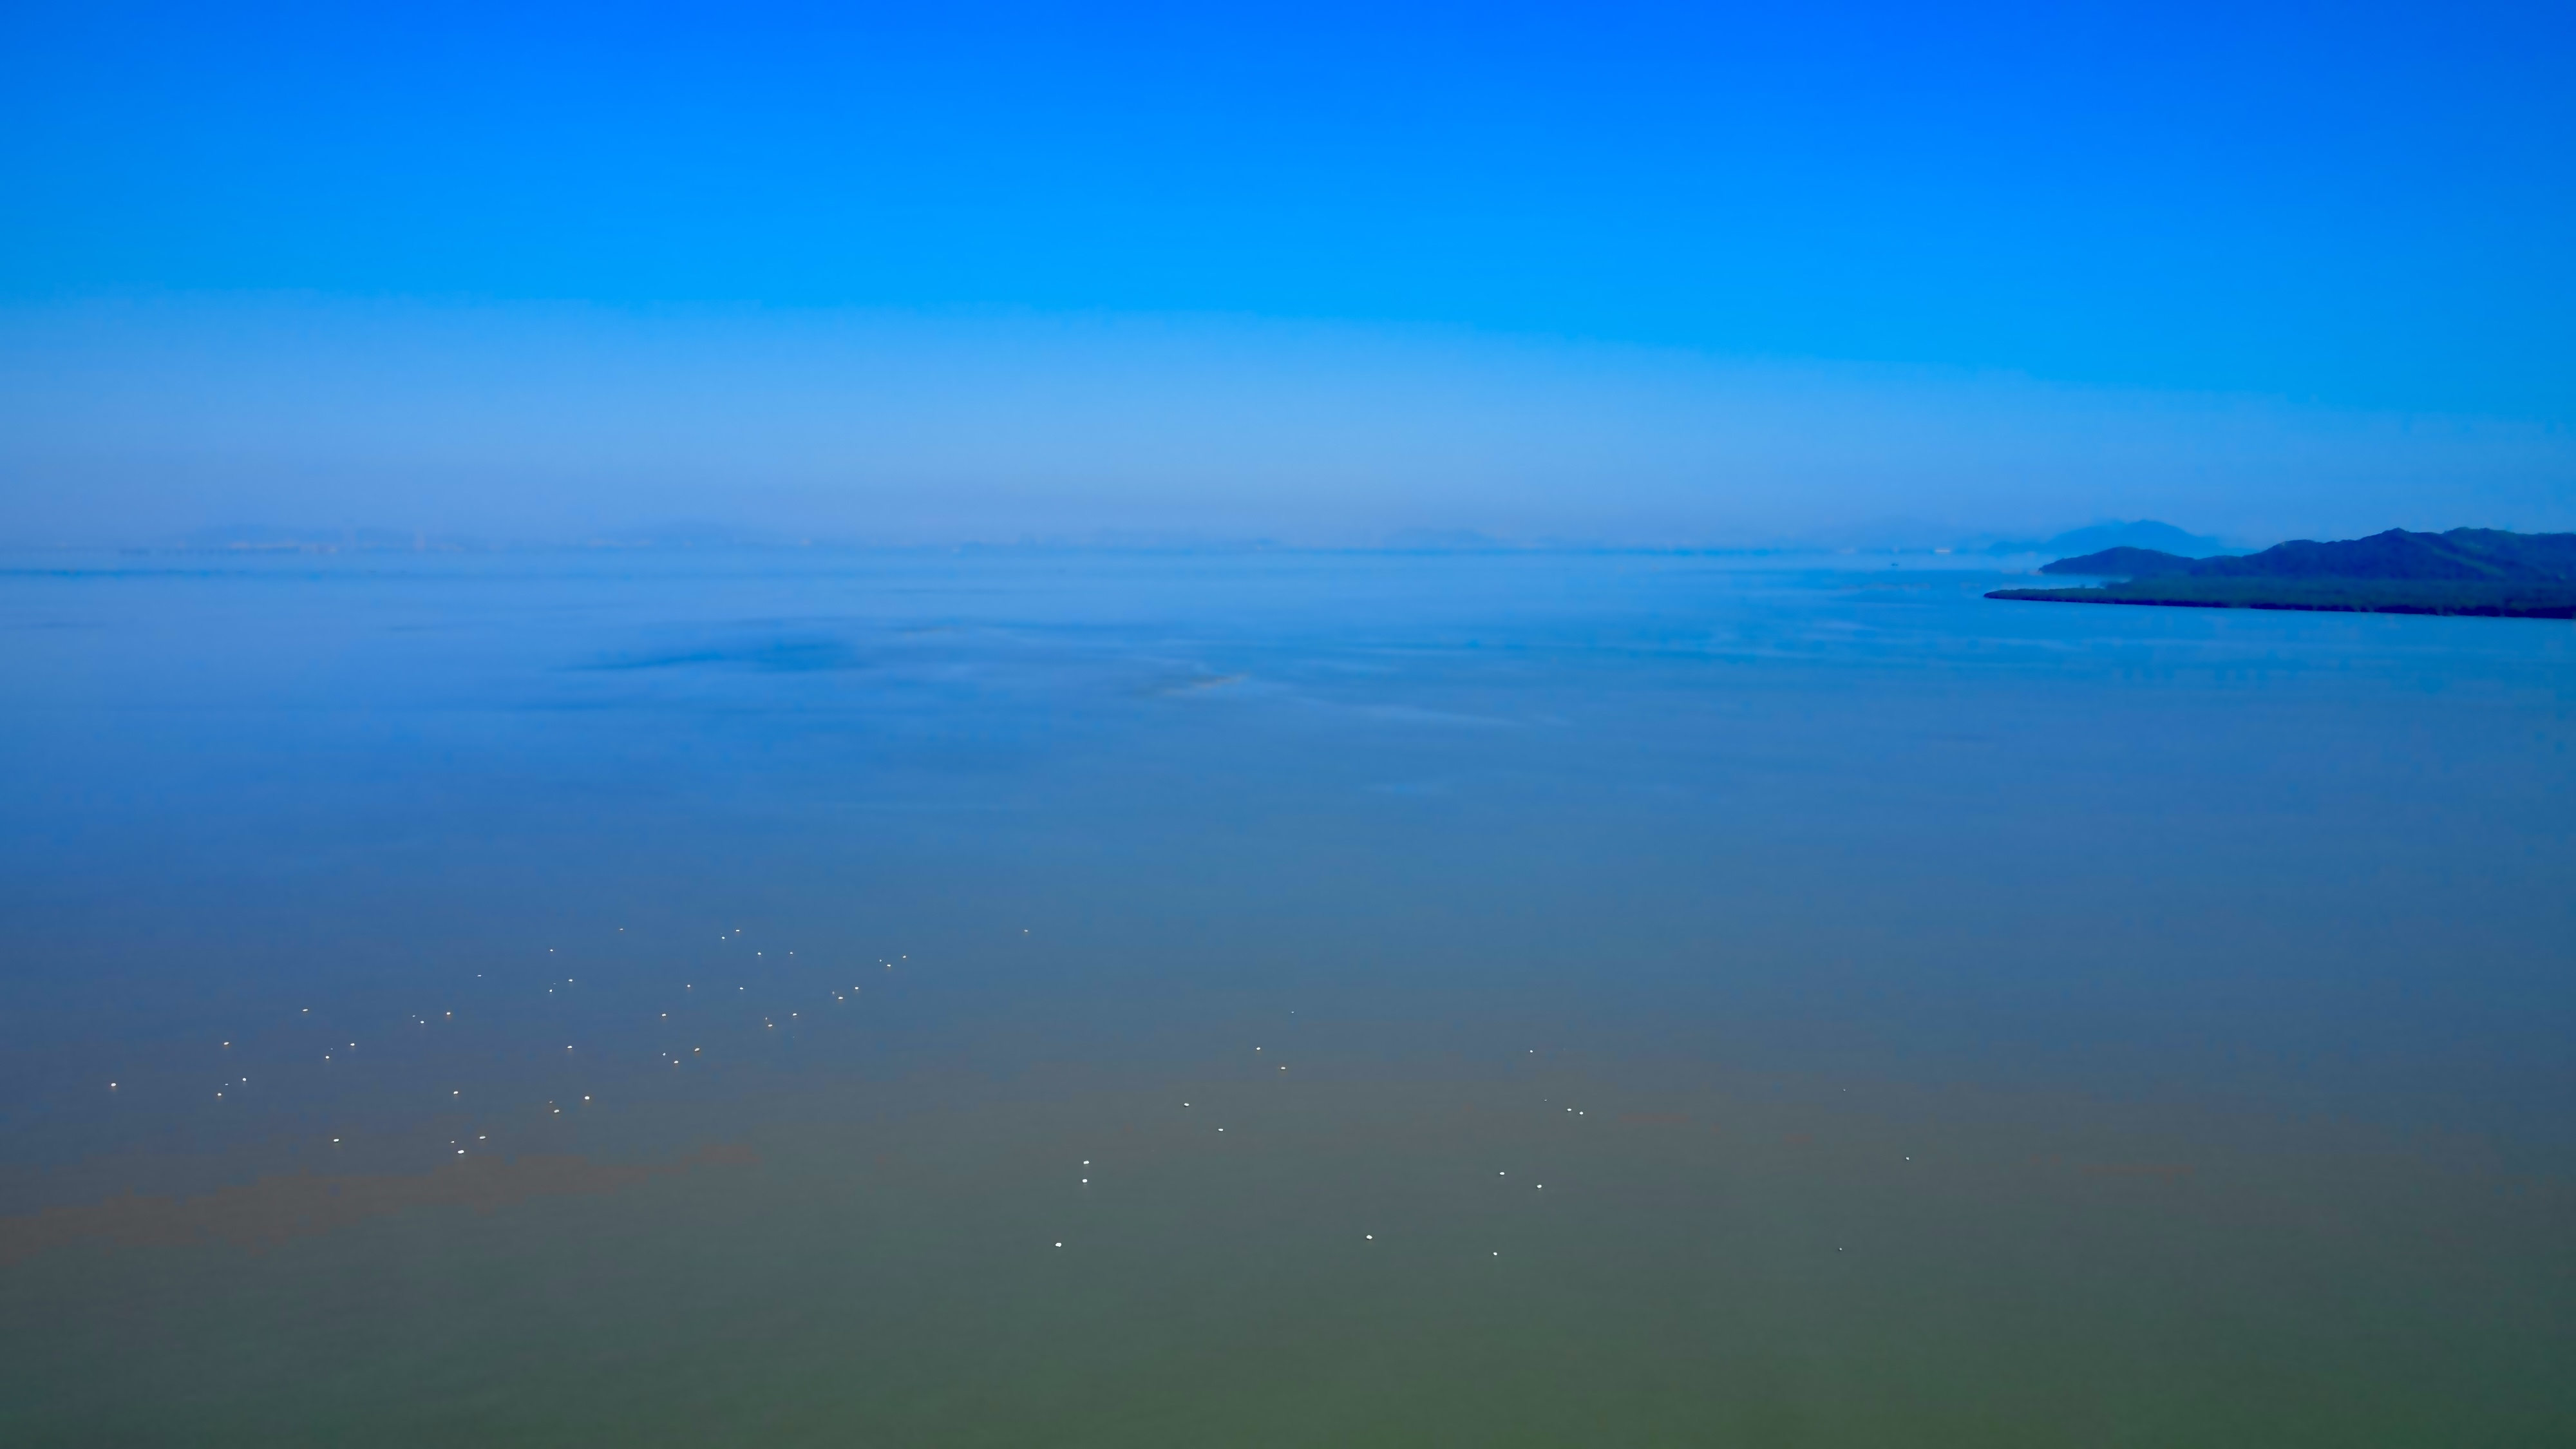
{"type": "Point", "coordinates": [2145, 534]}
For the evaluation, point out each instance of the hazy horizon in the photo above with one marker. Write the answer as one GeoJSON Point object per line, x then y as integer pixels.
{"type": "Point", "coordinates": [141, 422]}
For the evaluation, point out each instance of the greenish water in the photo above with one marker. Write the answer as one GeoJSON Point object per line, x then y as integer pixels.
{"type": "Point", "coordinates": [1347, 1262]}
{"type": "Point", "coordinates": [1645, 1000]}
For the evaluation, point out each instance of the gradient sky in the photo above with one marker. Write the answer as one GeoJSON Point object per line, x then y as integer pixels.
{"type": "Point", "coordinates": [2313, 229]}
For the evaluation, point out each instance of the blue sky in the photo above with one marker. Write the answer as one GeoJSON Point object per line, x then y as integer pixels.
{"type": "Point", "coordinates": [2346, 218]}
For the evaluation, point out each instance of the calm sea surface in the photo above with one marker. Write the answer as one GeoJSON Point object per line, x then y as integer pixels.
{"type": "Point", "coordinates": [1076, 998]}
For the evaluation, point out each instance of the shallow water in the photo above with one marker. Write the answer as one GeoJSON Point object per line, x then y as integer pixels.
{"type": "Point", "coordinates": [676, 997]}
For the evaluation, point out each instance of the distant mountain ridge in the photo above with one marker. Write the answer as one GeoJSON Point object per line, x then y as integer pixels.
{"type": "Point", "coordinates": [2465, 571]}
{"type": "Point", "coordinates": [2462, 553]}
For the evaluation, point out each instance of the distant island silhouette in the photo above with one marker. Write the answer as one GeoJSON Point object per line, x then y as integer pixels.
{"type": "Point", "coordinates": [2486, 571]}
{"type": "Point", "coordinates": [2145, 534]}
